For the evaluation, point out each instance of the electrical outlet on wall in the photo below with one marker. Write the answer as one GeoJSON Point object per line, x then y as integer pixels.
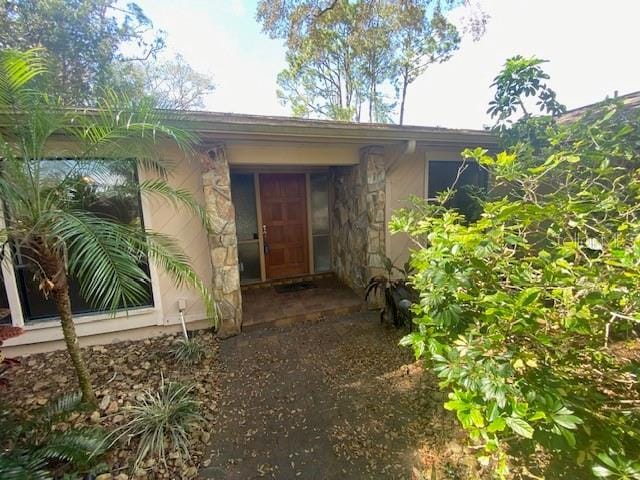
{"type": "Point", "coordinates": [182, 304]}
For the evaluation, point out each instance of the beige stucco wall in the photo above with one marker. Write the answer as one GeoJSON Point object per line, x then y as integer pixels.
{"type": "Point", "coordinates": [406, 176]}
{"type": "Point", "coordinates": [307, 154]}
{"type": "Point", "coordinates": [182, 225]}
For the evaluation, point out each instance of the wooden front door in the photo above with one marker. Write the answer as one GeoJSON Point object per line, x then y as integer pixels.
{"type": "Point", "coordinates": [283, 199]}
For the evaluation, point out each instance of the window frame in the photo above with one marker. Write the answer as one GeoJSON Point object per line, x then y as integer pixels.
{"type": "Point", "coordinates": [427, 162]}
{"type": "Point", "coordinates": [15, 297]}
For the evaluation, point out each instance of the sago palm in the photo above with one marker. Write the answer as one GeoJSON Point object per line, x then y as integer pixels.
{"type": "Point", "coordinates": [47, 223]}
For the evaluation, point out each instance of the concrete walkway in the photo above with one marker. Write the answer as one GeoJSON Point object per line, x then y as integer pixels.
{"type": "Point", "coordinates": [332, 400]}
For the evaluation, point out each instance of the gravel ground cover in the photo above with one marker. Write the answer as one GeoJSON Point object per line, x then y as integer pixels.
{"type": "Point", "coordinates": [121, 372]}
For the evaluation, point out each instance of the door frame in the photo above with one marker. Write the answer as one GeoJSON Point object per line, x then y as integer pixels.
{"type": "Point", "coordinates": [307, 171]}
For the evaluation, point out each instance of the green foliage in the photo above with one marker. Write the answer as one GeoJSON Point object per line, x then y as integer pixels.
{"type": "Point", "coordinates": [83, 41]}
{"type": "Point", "coordinates": [188, 351]}
{"type": "Point", "coordinates": [48, 223]}
{"type": "Point", "coordinates": [522, 79]}
{"type": "Point", "coordinates": [47, 220]}
{"type": "Point", "coordinates": [161, 422]}
{"type": "Point", "coordinates": [36, 449]}
{"type": "Point", "coordinates": [518, 310]}
{"type": "Point", "coordinates": [617, 468]}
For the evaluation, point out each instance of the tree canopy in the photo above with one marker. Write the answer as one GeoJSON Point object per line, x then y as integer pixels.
{"type": "Point", "coordinates": [93, 45]}
{"type": "Point", "coordinates": [356, 60]}
{"type": "Point", "coordinates": [170, 84]}
{"type": "Point", "coordinates": [83, 40]}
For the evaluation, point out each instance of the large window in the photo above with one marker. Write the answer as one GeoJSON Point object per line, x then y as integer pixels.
{"type": "Point", "coordinates": [103, 188]}
{"type": "Point", "coordinates": [468, 179]}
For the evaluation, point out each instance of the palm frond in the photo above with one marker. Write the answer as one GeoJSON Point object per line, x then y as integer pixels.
{"type": "Point", "coordinates": [17, 69]}
{"type": "Point", "coordinates": [22, 466]}
{"type": "Point", "coordinates": [168, 255]}
{"type": "Point", "coordinates": [101, 258]}
{"type": "Point", "coordinates": [122, 128]}
{"type": "Point", "coordinates": [76, 446]}
{"type": "Point", "coordinates": [61, 407]}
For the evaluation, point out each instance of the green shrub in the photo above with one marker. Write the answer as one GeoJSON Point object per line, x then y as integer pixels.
{"type": "Point", "coordinates": [35, 449]}
{"type": "Point", "coordinates": [161, 422]}
{"type": "Point", "coordinates": [521, 313]}
{"type": "Point", "coordinates": [188, 351]}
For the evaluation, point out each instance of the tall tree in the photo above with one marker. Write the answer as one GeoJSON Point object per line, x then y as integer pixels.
{"type": "Point", "coordinates": [83, 40]}
{"type": "Point", "coordinates": [422, 40]}
{"type": "Point", "coordinates": [45, 198]}
{"type": "Point", "coordinates": [172, 84]}
{"type": "Point", "coordinates": [343, 55]}
{"type": "Point", "coordinates": [324, 76]}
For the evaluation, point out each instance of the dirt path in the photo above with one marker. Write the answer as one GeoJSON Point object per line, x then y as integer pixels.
{"type": "Point", "coordinates": [334, 400]}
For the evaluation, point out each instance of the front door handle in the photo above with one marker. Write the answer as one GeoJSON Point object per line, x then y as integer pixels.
{"type": "Point", "coordinates": [264, 239]}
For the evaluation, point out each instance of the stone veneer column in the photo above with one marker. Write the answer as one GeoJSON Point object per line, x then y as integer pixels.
{"type": "Point", "coordinates": [372, 162]}
{"type": "Point", "coordinates": [223, 242]}
{"type": "Point", "coordinates": [358, 236]}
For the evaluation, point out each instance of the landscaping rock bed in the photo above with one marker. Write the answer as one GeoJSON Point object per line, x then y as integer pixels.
{"type": "Point", "coordinates": [121, 373]}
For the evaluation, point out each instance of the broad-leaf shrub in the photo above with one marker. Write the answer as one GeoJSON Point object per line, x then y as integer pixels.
{"type": "Point", "coordinates": [526, 313]}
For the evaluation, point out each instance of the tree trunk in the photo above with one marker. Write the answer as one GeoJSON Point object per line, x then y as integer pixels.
{"type": "Point", "coordinates": [63, 305]}
{"type": "Point", "coordinates": [56, 284]}
{"type": "Point", "coordinates": [405, 84]}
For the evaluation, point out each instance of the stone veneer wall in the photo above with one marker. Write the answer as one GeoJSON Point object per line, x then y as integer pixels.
{"type": "Point", "coordinates": [223, 241]}
{"type": "Point", "coordinates": [358, 228]}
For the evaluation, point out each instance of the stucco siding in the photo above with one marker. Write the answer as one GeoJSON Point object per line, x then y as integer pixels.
{"type": "Point", "coordinates": [406, 177]}
{"type": "Point", "coordinates": [310, 154]}
{"type": "Point", "coordinates": [187, 229]}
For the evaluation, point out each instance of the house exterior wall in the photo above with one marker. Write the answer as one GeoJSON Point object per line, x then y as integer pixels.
{"type": "Point", "coordinates": [407, 177]}
{"type": "Point", "coordinates": [293, 155]}
{"type": "Point", "coordinates": [367, 184]}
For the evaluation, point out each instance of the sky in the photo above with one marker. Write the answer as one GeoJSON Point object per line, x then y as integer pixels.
{"type": "Point", "coordinates": [591, 47]}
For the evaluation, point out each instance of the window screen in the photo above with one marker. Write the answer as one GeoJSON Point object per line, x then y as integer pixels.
{"type": "Point", "coordinates": [102, 188]}
{"type": "Point", "coordinates": [471, 184]}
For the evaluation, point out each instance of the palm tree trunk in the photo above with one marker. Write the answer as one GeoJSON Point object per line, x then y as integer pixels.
{"type": "Point", "coordinates": [58, 286]}
{"type": "Point", "coordinates": [63, 305]}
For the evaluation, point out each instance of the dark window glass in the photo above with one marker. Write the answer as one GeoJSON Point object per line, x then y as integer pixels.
{"type": "Point", "coordinates": [320, 222]}
{"type": "Point", "coordinates": [470, 186]}
{"type": "Point", "coordinates": [243, 196]}
{"type": "Point", "coordinates": [249, 258]}
{"type": "Point", "coordinates": [100, 187]}
{"type": "Point", "coordinates": [5, 312]}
